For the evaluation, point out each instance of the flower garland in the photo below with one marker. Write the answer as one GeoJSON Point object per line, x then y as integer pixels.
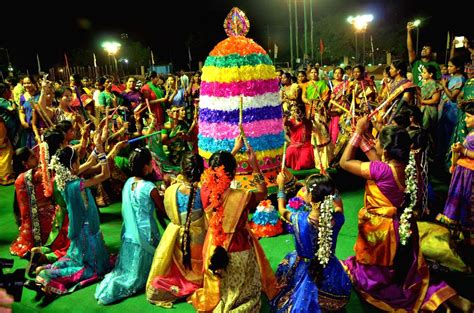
{"type": "Point", "coordinates": [63, 175]}
{"type": "Point", "coordinates": [325, 231]}
{"type": "Point", "coordinates": [411, 189]}
{"type": "Point", "coordinates": [44, 159]}
{"type": "Point", "coordinates": [35, 223]}
{"type": "Point", "coordinates": [218, 182]}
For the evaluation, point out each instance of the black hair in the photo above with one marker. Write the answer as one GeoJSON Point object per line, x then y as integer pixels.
{"type": "Point", "coordinates": [58, 93]}
{"type": "Point", "coordinates": [402, 118]}
{"type": "Point", "coordinates": [54, 139]}
{"type": "Point", "coordinates": [67, 156]}
{"type": "Point", "coordinates": [419, 138]}
{"type": "Point", "coordinates": [401, 66]}
{"type": "Point", "coordinates": [220, 259]}
{"type": "Point", "coordinates": [3, 89]}
{"type": "Point", "coordinates": [192, 165]}
{"type": "Point", "coordinates": [458, 62]}
{"type": "Point", "coordinates": [319, 186]}
{"type": "Point", "coordinates": [469, 108]}
{"type": "Point", "coordinates": [64, 126]}
{"type": "Point", "coordinates": [138, 159]}
{"type": "Point", "coordinates": [21, 155]}
{"type": "Point", "coordinates": [396, 141]}
{"type": "Point", "coordinates": [226, 159]}
{"type": "Point", "coordinates": [431, 69]}
{"type": "Point", "coordinates": [387, 70]}
{"type": "Point", "coordinates": [361, 69]}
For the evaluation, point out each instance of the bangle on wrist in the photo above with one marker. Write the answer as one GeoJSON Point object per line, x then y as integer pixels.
{"type": "Point", "coordinates": [465, 152]}
{"type": "Point", "coordinates": [281, 194]}
{"type": "Point", "coordinates": [355, 140]}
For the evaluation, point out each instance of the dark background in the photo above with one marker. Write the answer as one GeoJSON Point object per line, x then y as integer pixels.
{"type": "Point", "coordinates": [168, 28]}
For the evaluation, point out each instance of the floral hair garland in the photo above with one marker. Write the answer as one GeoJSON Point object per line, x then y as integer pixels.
{"type": "Point", "coordinates": [411, 189]}
{"type": "Point", "coordinates": [44, 159]}
{"type": "Point", "coordinates": [218, 182]}
{"type": "Point", "coordinates": [63, 175]}
{"type": "Point", "coordinates": [325, 230]}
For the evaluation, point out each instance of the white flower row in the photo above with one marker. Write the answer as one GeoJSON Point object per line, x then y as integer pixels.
{"type": "Point", "coordinates": [270, 99]}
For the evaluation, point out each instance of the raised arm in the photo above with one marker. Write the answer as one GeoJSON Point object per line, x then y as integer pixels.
{"type": "Point", "coordinates": [411, 50]}
{"type": "Point", "coordinates": [261, 193]}
{"type": "Point", "coordinates": [347, 161]}
{"type": "Point", "coordinates": [284, 213]}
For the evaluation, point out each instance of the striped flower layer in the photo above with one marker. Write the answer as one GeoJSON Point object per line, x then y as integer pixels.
{"type": "Point", "coordinates": [239, 86]}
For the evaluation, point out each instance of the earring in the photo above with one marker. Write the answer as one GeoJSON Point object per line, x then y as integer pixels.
{"type": "Point", "coordinates": [383, 156]}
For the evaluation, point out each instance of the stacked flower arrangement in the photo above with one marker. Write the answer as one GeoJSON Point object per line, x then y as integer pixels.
{"type": "Point", "coordinates": [265, 221]}
{"type": "Point", "coordinates": [240, 96]}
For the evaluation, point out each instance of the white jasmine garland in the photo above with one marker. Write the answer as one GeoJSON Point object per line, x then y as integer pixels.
{"type": "Point", "coordinates": [325, 230]}
{"type": "Point", "coordinates": [63, 175]}
{"type": "Point", "coordinates": [411, 188]}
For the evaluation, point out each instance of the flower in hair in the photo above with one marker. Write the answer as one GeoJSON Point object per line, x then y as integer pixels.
{"type": "Point", "coordinates": [326, 210]}
{"type": "Point", "coordinates": [217, 180]}
{"type": "Point", "coordinates": [62, 174]}
{"type": "Point", "coordinates": [411, 188]}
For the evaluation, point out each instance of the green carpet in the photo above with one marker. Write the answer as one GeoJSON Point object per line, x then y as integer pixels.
{"type": "Point", "coordinates": [83, 300]}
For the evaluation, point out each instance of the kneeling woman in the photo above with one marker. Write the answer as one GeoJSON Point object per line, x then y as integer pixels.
{"type": "Point", "coordinates": [140, 234]}
{"type": "Point", "coordinates": [86, 259]}
{"type": "Point", "coordinates": [311, 277]}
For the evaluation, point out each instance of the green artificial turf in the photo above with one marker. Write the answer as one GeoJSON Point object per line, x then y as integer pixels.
{"type": "Point", "coordinates": [83, 300]}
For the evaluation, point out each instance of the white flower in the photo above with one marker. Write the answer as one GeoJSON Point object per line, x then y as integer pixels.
{"type": "Point", "coordinates": [325, 231]}
{"type": "Point", "coordinates": [411, 189]}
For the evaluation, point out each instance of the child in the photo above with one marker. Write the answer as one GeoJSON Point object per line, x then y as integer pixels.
{"type": "Point", "coordinates": [311, 277]}
{"type": "Point", "coordinates": [140, 234]}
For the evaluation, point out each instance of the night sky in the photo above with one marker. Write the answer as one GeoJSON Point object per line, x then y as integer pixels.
{"type": "Point", "coordinates": [167, 28]}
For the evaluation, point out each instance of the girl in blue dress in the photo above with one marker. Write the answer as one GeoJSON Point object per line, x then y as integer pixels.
{"type": "Point", "coordinates": [87, 259]}
{"type": "Point", "coordinates": [311, 278]}
{"type": "Point", "coordinates": [140, 234]}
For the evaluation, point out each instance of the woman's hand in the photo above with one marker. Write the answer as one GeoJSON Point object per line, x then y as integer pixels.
{"type": "Point", "coordinates": [281, 180]}
{"type": "Point", "coordinates": [252, 157]}
{"type": "Point", "coordinates": [239, 143]}
{"type": "Point", "coordinates": [457, 147]}
{"type": "Point", "coordinates": [362, 125]}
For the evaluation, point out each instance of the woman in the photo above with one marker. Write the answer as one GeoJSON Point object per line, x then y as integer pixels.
{"type": "Point", "coordinates": [6, 156]}
{"type": "Point", "coordinates": [338, 93]}
{"type": "Point", "coordinates": [451, 127]}
{"type": "Point", "coordinates": [87, 258]}
{"type": "Point", "coordinates": [388, 269]}
{"type": "Point", "coordinates": [459, 209]}
{"type": "Point", "coordinates": [27, 101]}
{"type": "Point", "coordinates": [235, 267]}
{"type": "Point", "coordinates": [299, 153]}
{"type": "Point", "coordinates": [312, 278]}
{"type": "Point", "coordinates": [176, 271]}
{"type": "Point", "coordinates": [140, 234]}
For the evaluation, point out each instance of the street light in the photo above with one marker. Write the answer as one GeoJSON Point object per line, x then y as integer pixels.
{"type": "Point", "coordinates": [112, 47]}
{"type": "Point", "coordinates": [417, 23]}
{"type": "Point", "coordinates": [360, 23]}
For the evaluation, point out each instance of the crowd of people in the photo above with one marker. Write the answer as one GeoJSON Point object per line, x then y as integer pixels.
{"type": "Point", "coordinates": [71, 149]}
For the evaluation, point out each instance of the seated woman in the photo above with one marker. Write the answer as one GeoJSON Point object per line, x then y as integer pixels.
{"type": "Point", "coordinates": [235, 267]}
{"type": "Point", "coordinates": [140, 234]}
{"type": "Point", "coordinates": [311, 277]}
{"type": "Point", "coordinates": [87, 258]}
{"type": "Point", "coordinates": [388, 269]}
{"type": "Point", "coordinates": [299, 153]}
{"type": "Point", "coordinates": [176, 271]}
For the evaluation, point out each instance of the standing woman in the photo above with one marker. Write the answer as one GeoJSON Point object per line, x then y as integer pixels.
{"type": "Point", "coordinates": [235, 266]}
{"type": "Point", "coordinates": [140, 233]}
{"type": "Point", "coordinates": [87, 258]}
{"type": "Point", "coordinates": [448, 130]}
{"type": "Point", "coordinates": [27, 99]}
{"type": "Point", "coordinates": [388, 270]}
{"type": "Point", "coordinates": [177, 266]}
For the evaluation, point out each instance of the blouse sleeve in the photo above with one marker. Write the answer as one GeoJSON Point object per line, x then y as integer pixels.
{"type": "Point", "coordinates": [379, 170]}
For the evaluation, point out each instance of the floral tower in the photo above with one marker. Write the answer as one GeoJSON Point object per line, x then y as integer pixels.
{"type": "Point", "coordinates": [240, 95]}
